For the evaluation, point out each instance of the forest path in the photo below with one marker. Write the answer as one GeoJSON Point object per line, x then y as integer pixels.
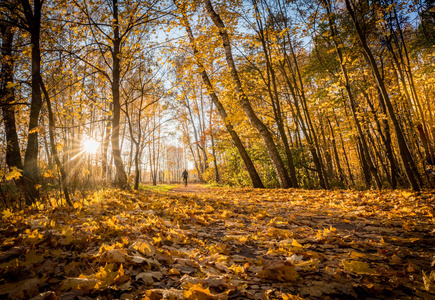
{"type": "Point", "coordinates": [191, 188]}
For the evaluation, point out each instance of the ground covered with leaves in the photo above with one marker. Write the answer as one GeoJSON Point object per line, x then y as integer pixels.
{"type": "Point", "coordinates": [218, 243]}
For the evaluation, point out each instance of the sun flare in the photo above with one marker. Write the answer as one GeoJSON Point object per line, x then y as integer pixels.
{"type": "Point", "coordinates": [90, 146]}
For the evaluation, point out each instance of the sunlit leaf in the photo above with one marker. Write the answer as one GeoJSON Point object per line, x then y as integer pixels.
{"type": "Point", "coordinates": [358, 267]}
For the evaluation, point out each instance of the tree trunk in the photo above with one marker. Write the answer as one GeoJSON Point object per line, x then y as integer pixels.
{"type": "Point", "coordinates": [283, 176]}
{"type": "Point", "coordinates": [312, 148]}
{"type": "Point", "coordinates": [121, 176]}
{"type": "Point", "coordinates": [337, 158]}
{"type": "Point", "coordinates": [364, 165]}
{"type": "Point", "coordinates": [13, 155]}
{"type": "Point", "coordinates": [213, 148]}
{"type": "Point", "coordinates": [384, 132]}
{"type": "Point", "coordinates": [306, 124]}
{"type": "Point", "coordinates": [136, 167]}
{"type": "Point", "coordinates": [106, 141]}
{"type": "Point", "coordinates": [31, 174]}
{"type": "Point", "coordinates": [51, 128]}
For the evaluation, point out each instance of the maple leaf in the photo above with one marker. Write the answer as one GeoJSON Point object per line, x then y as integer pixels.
{"type": "Point", "coordinates": [429, 281]}
{"type": "Point", "coordinates": [6, 213]}
{"type": "Point", "coordinates": [290, 297]}
{"type": "Point", "coordinates": [20, 289]}
{"type": "Point", "coordinates": [197, 292]}
{"type": "Point", "coordinates": [144, 248]}
{"type": "Point", "coordinates": [81, 283]}
{"type": "Point", "coordinates": [115, 256]}
{"type": "Point", "coordinates": [148, 277]}
{"type": "Point", "coordinates": [358, 267]}
{"type": "Point", "coordinates": [14, 173]}
{"type": "Point", "coordinates": [157, 294]}
{"type": "Point", "coordinates": [280, 270]}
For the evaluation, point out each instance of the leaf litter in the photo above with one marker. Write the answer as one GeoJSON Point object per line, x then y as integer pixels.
{"type": "Point", "coordinates": [222, 243]}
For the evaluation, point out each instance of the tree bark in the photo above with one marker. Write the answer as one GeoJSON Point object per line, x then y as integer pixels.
{"type": "Point", "coordinates": [213, 148]}
{"type": "Point", "coordinates": [51, 128]}
{"type": "Point", "coordinates": [31, 174]}
{"type": "Point", "coordinates": [121, 176]}
{"type": "Point", "coordinates": [337, 158]}
{"type": "Point", "coordinates": [13, 155]}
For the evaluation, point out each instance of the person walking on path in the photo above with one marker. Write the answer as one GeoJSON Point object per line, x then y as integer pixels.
{"type": "Point", "coordinates": [185, 175]}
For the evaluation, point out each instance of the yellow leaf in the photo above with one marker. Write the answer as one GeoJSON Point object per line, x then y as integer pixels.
{"type": "Point", "coordinates": [48, 174]}
{"type": "Point", "coordinates": [406, 194]}
{"type": "Point", "coordinates": [36, 129]}
{"type": "Point", "coordinates": [144, 248]}
{"type": "Point", "coordinates": [356, 255]}
{"type": "Point", "coordinates": [358, 267]}
{"type": "Point", "coordinates": [238, 270]}
{"type": "Point", "coordinates": [59, 147]}
{"type": "Point", "coordinates": [10, 85]}
{"type": "Point", "coordinates": [77, 205]}
{"type": "Point", "coordinates": [295, 243]}
{"type": "Point", "coordinates": [78, 283]}
{"type": "Point", "coordinates": [174, 271]}
{"type": "Point", "coordinates": [291, 297]}
{"type": "Point", "coordinates": [68, 236]}
{"type": "Point", "coordinates": [197, 292]}
{"type": "Point", "coordinates": [115, 256]}
{"type": "Point", "coordinates": [7, 213]}
{"type": "Point", "coordinates": [15, 173]}
{"type": "Point", "coordinates": [429, 281]}
{"type": "Point", "coordinates": [280, 270]}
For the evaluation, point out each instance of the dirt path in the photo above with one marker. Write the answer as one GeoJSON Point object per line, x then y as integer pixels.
{"type": "Point", "coordinates": [191, 188]}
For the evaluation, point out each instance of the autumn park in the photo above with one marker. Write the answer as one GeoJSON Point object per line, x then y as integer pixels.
{"type": "Point", "coordinates": [217, 149]}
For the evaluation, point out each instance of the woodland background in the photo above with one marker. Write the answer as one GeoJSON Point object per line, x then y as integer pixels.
{"type": "Point", "coordinates": [312, 94]}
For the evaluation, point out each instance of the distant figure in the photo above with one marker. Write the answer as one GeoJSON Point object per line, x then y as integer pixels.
{"type": "Point", "coordinates": [184, 175]}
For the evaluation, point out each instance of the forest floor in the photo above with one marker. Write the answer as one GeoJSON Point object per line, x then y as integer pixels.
{"type": "Point", "coordinates": [223, 243]}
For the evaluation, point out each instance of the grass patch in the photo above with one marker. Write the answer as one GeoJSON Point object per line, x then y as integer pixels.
{"type": "Point", "coordinates": [158, 188]}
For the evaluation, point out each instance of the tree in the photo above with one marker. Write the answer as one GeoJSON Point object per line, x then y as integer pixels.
{"type": "Point", "coordinates": [283, 176]}
{"type": "Point", "coordinates": [405, 155]}
{"type": "Point", "coordinates": [122, 23]}
{"type": "Point", "coordinates": [255, 178]}
{"type": "Point", "coordinates": [7, 97]}
{"type": "Point", "coordinates": [33, 26]}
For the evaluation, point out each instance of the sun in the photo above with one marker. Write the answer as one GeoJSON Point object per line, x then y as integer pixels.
{"type": "Point", "coordinates": [90, 146]}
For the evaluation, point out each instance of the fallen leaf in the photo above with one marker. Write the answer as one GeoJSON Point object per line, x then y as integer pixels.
{"type": "Point", "coordinates": [144, 248]}
{"type": "Point", "coordinates": [148, 277]}
{"type": "Point", "coordinates": [280, 270]}
{"type": "Point", "coordinates": [21, 288]}
{"type": "Point", "coordinates": [429, 282]}
{"type": "Point", "coordinates": [115, 256]}
{"type": "Point", "coordinates": [198, 292]}
{"type": "Point", "coordinates": [358, 267]}
{"type": "Point", "coordinates": [81, 283]}
{"type": "Point", "coordinates": [157, 294]}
